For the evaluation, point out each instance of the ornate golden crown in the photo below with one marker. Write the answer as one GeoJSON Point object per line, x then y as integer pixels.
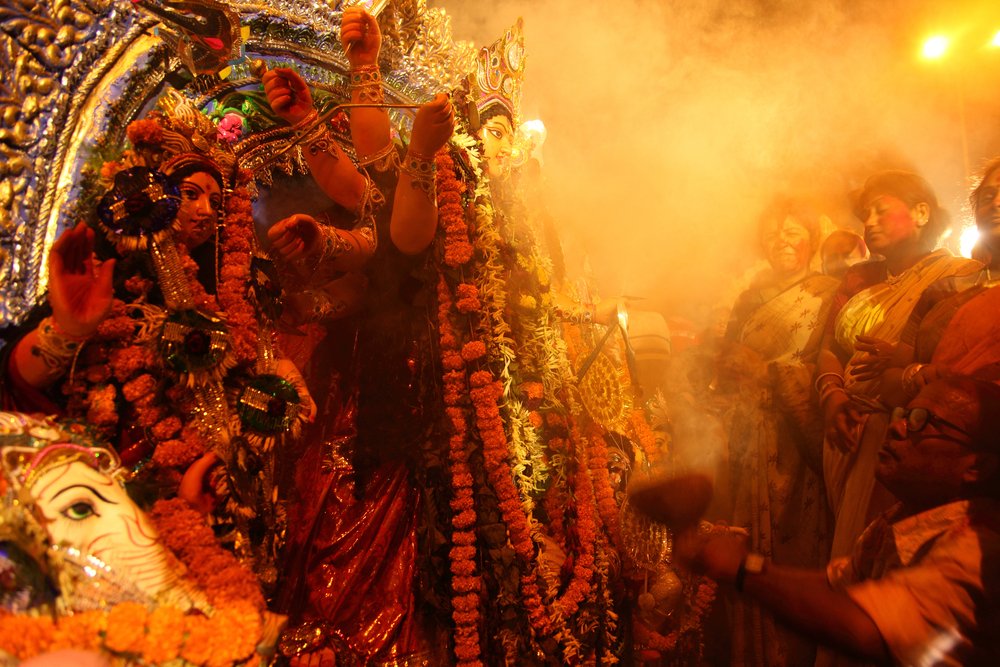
{"type": "Point", "coordinates": [500, 73]}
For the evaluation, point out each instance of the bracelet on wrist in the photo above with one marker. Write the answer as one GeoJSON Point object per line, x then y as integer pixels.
{"type": "Point", "coordinates": [55, 347]}
{"type": "Point", "coordinates": [834, 378]}
{"type": "Point", "coordinates": [752, 563]}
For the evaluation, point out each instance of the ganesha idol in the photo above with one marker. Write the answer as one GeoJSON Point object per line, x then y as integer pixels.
{"type": "Point", "coordinates": [83, 567]}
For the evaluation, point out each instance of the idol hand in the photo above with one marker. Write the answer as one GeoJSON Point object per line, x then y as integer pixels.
{"type": "Point", "coordinates": [433, 126]}
{"type": "Point", "coordinates": [288, 94]}
{"type": "Point", "coordinates": [360, 36]}
{"type": "Point", "coordinates": [80, 287]}
{"type": "Point", "coordinates": [296, 237]}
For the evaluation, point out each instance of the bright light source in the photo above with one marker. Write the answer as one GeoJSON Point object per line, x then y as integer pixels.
{"type": "Point", "coordinates": [935, 47]}
{"type": "Point", "coordinates": [995, 42]}
{"type": "Point", "coordinates": [967, 241]}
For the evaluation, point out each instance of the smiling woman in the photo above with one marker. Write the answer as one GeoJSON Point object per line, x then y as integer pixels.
{"type": "Point", "coordinates": [776, 492]}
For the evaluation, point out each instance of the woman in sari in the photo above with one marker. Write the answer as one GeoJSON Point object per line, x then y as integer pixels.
{"type": "Point", "coordinates": [777, 488]}
{"type": "Point", "coordinates": [902, 224]}
{"type": "Point", "coordinates": [955, 328]}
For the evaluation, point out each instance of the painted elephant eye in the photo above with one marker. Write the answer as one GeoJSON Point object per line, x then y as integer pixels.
{"type": "Point", "coordinates": [79, 511]}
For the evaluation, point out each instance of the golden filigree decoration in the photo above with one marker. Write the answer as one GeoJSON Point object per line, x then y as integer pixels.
{"type": "Point", "coordinates": [603, 394]}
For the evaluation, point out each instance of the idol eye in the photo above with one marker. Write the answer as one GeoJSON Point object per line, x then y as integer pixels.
{"type": "Point", "coordinates": [79, 511]}
{"type": "Point", "coordinates": [496, 133]}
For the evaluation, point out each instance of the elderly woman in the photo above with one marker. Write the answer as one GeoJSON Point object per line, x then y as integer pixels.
{"type": "Point", "coordinates": [777, 488]}
{"type": "Point", "coordinates": [902, 223]}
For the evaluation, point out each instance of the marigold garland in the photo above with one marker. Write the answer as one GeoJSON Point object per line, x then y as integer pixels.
{"type": "Point", "coordinates": [465, 583]}
{"type": "Point", "coordinates": [128, 334]}
{"type": "Point", "coordinates": [607, 508]}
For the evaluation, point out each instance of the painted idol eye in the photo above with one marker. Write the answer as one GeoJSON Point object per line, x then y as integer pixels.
{"type": "Point", "coordinates": [79, 511]}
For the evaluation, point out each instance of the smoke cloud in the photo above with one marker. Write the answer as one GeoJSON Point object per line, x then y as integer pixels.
{"type": "Point", "coordinates": [670, 126]}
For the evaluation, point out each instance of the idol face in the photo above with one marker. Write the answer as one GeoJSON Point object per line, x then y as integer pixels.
{"type": "Point", "coordinates": [498, 142]}
{"type": "Point", "coordinates": [787, 245]}
{"type": "Point", "coordinates": [890, 222]}
{"type": "Point", "coordinates": [201, 204]}
{"type": "Point", "coordinates": [988, 208]}
{"type": "Point", "coordinates": [86, 509]}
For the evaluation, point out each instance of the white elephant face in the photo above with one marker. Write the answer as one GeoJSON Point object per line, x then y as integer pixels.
{"type": "Point", "coordinates": [86, 509]}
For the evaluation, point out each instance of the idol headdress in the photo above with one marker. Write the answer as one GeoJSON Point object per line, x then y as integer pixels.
{"type": "Point", "coordinates": [500, 75]}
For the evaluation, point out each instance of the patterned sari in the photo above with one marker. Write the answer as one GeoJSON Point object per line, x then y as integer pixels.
{"type": "Point", "coordinates": [776, 494]}
{"type": "Point", "coordinates": [882, 310]}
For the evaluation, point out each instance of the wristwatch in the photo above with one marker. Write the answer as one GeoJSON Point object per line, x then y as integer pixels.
{"type": "Point", "coordinates": [752, 563]}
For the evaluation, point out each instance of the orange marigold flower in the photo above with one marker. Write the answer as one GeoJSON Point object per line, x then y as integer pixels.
{"type": "Point", "coordinates": [473, 350]}
{"type": "Point", "coordinates": [453, 361]}
{"type": "Point", "coordinates": [126, 629]}
{"type": "Point", "coordinates": [141, 386]}
{"type": "Point", "coordinates": [167, 428]}
{"type": "Point", "coordinates": [145, 132]}
{"type": "Point", "coordinates": [164, 634]}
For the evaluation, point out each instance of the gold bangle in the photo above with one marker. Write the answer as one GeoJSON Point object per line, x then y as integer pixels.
{"type": "Point", "coordinates": [367, 81]}
{"type": "Point", "coordinates": [382, 160]}
{"type": "Point", "coordinates": [422, 171]}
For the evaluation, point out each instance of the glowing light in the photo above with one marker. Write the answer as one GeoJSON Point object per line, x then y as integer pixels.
{"type": "Point", "coordinates": [534, 128]}
{"type": "Point", "coordinates": [967, 241]}
{"type": "Point", "coordinates": [935, 47]}
{"type": "Point", "coordinates": [995, 42]}
{"type": "Point", "coordinates": [622, 317]}
{"type": "Point", "coordinates": [528, 142]}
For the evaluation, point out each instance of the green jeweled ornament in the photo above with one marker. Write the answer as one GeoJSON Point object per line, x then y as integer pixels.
{"type": "Point", "coordinates": [268, 405]}
{"type": "Point", "coordinates": [192, 342]}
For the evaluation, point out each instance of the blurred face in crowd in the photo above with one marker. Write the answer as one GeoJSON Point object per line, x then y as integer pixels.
{"type": "Point", "coordinates": [988, 207]}
{"type": "Point", "coordinates": [787, 245]}
{"type": "Point", "coordinates": [841, 250]}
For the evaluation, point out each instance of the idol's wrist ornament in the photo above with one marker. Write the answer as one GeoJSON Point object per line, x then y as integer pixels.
{"type": "Point", "coordinates": [55, 347]}
{"type": "Point", "coordinates": [422, 171]}
{"type": "Point", "coordinates": [366, 81]}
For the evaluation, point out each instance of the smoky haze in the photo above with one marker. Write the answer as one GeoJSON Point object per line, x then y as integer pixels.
{"type": "Point", "coordinates": [671, 124]}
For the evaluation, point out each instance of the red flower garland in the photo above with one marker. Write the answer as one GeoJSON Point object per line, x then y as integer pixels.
{"type": "Point", "coordinates": [457, 248]}
{"type": "Point", "coordinates": [136, 366]}
{"type": "Point", "coordinates": [465, 583]}
{"type": "Point", "coordinates": [605, 497]}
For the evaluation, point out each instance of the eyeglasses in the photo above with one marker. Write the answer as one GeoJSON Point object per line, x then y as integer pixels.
{"type": "Point", "coordinates": [917, 418]}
